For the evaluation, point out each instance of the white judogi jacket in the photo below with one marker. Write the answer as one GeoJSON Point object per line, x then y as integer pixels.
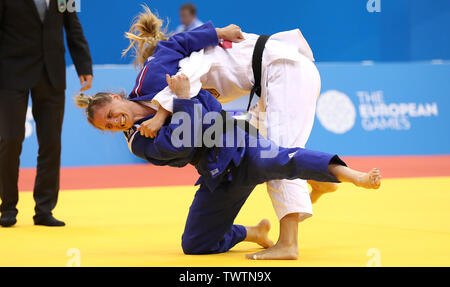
{"type": "Point", "coordinates": [228, 68]}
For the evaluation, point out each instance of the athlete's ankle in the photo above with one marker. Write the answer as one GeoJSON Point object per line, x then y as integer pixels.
{"type": "Point", "coordinates": [287, 243]}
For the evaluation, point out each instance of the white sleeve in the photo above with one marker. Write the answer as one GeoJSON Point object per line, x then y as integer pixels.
{"type": "Point", "coordinates": [165, 99]}
{"type": "Point", "coordinates": [194, 67]}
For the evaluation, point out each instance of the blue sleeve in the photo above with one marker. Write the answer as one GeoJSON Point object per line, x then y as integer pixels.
{"type": "Point", "coordinates": [159, 149]}
{"type": "Point", "coordinates": [179, 138]}
{"type": "Point", "coordinates": [176, 140]}
{"type": "Point", "coordinates": [187, 42]}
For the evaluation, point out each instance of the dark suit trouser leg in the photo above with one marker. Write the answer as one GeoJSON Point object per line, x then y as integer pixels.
{"type": "Point", "coordinates": [48, 113]}
{"type": "Point", "coordinates": [13, 110]}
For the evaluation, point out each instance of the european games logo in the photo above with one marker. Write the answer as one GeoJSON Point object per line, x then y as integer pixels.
{"type": "Point", "coordinates": [336, 112]}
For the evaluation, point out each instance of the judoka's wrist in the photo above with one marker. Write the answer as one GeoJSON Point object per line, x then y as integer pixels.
{"type": "Point", "coordinates": [183, 96]}
{"type": "Point", "coordinates": [219, 32]}
{"type": "Point", "coordinates": [230, 33]}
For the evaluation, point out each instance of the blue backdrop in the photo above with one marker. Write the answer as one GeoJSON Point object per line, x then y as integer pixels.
{"type": "Point", "coordinates": [379, 109]}
{"type": "Point", "coordinates": [397, 106]}
{"type": "Point", "coordinates": [399, 109]}
{"type": "Point", "coordinates": [403, 30]}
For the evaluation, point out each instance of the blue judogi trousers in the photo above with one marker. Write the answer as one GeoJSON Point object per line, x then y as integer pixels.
{"type": "Point", "coordinates": [209, 228]}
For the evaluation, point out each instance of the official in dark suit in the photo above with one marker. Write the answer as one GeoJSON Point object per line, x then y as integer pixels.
{"type": "Point", "coordinates": [32, 63]}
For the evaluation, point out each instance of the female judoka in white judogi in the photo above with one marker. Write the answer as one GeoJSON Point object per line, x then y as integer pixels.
{"type": "Point", "coordinates": [290, 85]}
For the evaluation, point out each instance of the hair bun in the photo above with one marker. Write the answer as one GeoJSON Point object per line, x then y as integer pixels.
{"type": "Point", "coordinates": [82, 101]}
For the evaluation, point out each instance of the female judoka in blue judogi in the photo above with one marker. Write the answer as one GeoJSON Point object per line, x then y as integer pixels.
{"type": "Point", "coordinates": [229, 172]}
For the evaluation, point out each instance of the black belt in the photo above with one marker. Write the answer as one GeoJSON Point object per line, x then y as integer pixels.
{"type": "Point", "coordinates": [243, 124]}
{"type": "Point", "coordinates": [257, 66]}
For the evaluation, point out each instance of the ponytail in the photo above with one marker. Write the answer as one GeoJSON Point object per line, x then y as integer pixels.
{"type": "Point", "coordinates": [144, 34]}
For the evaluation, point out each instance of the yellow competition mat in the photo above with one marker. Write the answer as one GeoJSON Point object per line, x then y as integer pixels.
{"type": "Point", "coordinates": [405, 223]}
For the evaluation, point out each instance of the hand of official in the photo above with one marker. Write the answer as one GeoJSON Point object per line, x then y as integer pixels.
{"type": "Point", "coordinates": [85, 82]}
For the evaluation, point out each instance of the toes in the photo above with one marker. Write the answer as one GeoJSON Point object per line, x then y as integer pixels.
{"type": "Point", "coordinates": [260, 256]}
{"type": "Point", "coordinates": [375, 178]}
{"type": "Point", "coordinates": [254, 256]}
{"type": "Point", "coordinates": [376, 181]}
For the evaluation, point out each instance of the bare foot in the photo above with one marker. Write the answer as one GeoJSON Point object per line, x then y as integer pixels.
{"type": "Point", "coordinates": [320, 188]}
{"type": "Point", "coordinates": [260, 234]}
{"type": "Point", "coordinates": [278, 251]}
{"type": "Point", "coordinates": [370, 180]}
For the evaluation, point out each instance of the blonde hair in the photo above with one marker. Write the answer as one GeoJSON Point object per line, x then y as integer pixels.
{"type": "Point", "coordinates": [91, 103]}
{"type": "Point", "coordinates": [144, 34]}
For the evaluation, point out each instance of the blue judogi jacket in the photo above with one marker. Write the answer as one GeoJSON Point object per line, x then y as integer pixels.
{"type": "Point", "coordinates": [161, 151]}
{"type": "Point", "coordinates": [164, 149]}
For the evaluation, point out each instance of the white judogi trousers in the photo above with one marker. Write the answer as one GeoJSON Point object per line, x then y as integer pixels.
{"type": "Point", "coordinates": [285, 114]}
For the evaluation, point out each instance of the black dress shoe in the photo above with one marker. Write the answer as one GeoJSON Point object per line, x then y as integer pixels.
{"type": "Point", "coordinates": [7, 220]}
{"type": "Point", "coordinates": [47, 221]}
